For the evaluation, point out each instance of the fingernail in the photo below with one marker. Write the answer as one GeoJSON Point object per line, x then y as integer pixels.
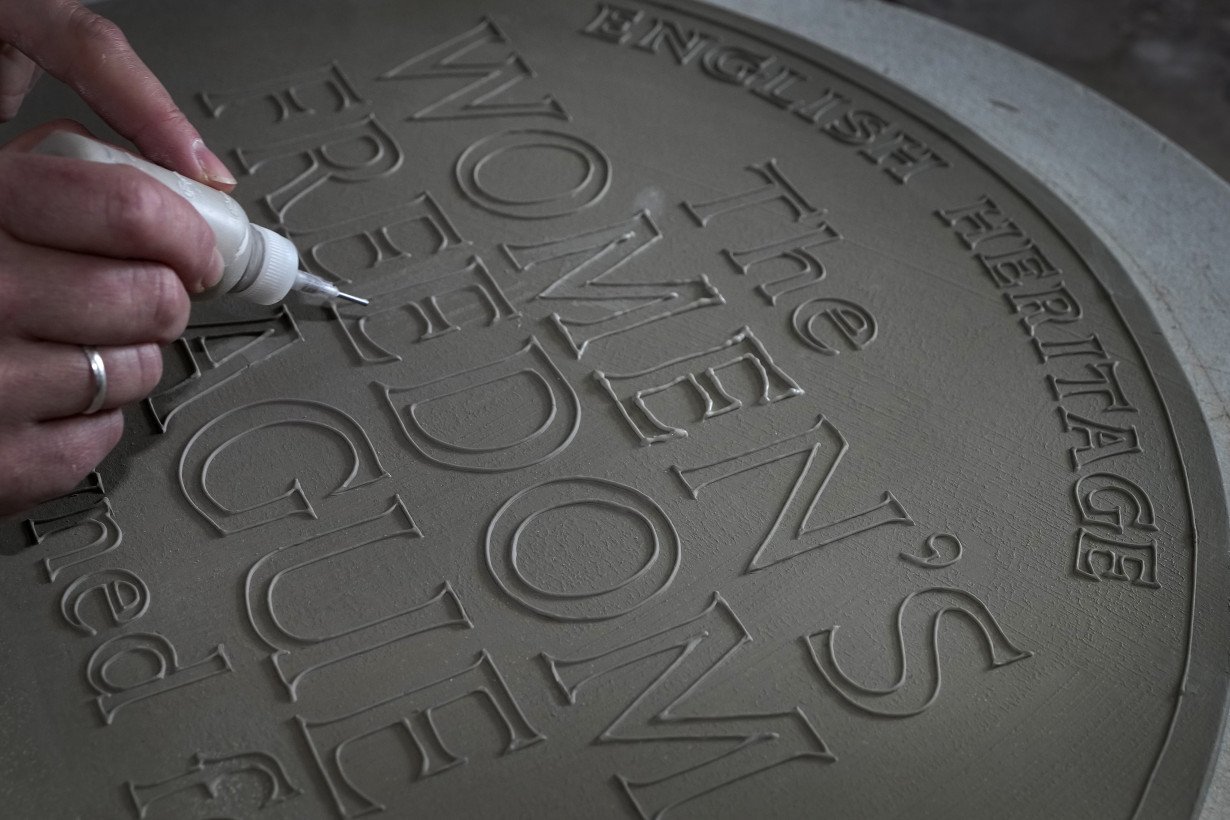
{"type": "Point", "coordinates": [212, 168]}
{"type": "Point", "coordinates": [214, 276]}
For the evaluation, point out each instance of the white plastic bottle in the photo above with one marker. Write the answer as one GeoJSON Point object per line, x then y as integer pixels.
{"type": "Point", "coordinates": [259, 265]}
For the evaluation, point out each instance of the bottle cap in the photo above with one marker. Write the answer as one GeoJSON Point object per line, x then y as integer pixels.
{"type": "Point", "coordinates": [277, 271]}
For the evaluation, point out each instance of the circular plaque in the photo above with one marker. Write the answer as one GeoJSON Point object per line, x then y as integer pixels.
{"type": "Point", "coordinates": [729, 434]}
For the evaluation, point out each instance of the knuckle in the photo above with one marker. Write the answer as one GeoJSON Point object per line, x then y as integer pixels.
{"type": "Point", "coordinates": [163, 296]}
{"type": "Point", "coordinates": [93, 33]}
{"type": "Point", "coordinates": [149, 368]}
{"type": "Point", "coordinates": [134, 208]}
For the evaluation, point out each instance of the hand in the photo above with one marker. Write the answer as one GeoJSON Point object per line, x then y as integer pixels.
{"type": "Point", "coordinates": [92, 56]}
{"type": "Point", "coordinates": [90, 254]}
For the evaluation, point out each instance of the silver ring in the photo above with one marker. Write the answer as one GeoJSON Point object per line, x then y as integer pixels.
{"type": "Point", "coordinates": [98, 371]}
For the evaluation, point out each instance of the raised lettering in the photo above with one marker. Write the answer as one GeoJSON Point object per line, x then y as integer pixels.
{"type": "Point", "coordinates": [1054, 305]}
{"type": "Point", "coordinates": [207, 790]}
{"type": "Point", "coordinates": [1112, 501]}
{"type": "Point", "coordinates": [684, 46]}
{"type": "Point", "coordinates": [277, 596]}
{"type": "Point", "coordinates": [1008, 269]}
{"type": "Point", "coordinates": [337, 742]}
{"type": "Point", "coordinates": [700, 650]}
{"type": "Point", "coordinates": [902, 156]}
{"type": "Point", "coordinates": [428, 413]}
{"type": "Point", "coordinates": [123, 595]}
{"type": "Point", "coordinates": [240, 345]}
{"type": "Point", "coordinates": [843, 322]}
{"type": "Point", "coordinates": [776, 188]}
{"type": "Point", "coordinates": [1104, 383]}
{"type": "Point", "coordinates": [920, 618]}
{"type": "Point", "coordinates": [796, 250]}
{"type": "Point", "coordinates": [1100, 558]}
{"type": "Point", "coordinates": [700, 375]}
{"type": "Point", "coordinates": [229, 504]}
{"type": "Point", "coordinates": [89, 514]}
{"type": "Point", "coordinates": [351, 153]}
{"type": "Point", "coordinates": [1101, 440]}
{"type": "Point", "coordinates": [819, 450]}
{"type": "Point", "coordinates": [380, 246]}
{"type": "Point", "coordinates": [484, 57]}
{"type": "Point", "coordinates": [612, 23]}
{"type": "Point", "coordinates": [615, 307]}
{"type": "Point", "coordinates": [438, 301]}
{"type": "Point", "coordinates": [533, 174]}
{"type": "Point", "coordinates": [290, 96]}
{"type": "Point", "coordinates": [508, 542]}
{"type": "Point", "coordinates": [165, 675]}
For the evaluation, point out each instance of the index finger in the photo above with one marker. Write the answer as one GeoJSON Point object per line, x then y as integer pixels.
{"type": "Point", "coordinates": [91, 55]}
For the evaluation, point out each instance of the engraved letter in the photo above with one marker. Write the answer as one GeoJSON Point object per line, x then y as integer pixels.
{"type": "Point", "coordinates": [380, 246]}
{"type": "Point", "coordinates": [1101, 440]}
{"type": "Point", "coordinates": [902, 156]}
{"type": "Point", "coordinates": [1091, 345]}
{"type": "Point", "coordinates": [505, 174]}
{"type": "Point", "coordinates": [308, 418]}
{"type": "Point", "coordinates": [336, 743]}
{"type": "Point", "coordinates": [684, 47]}
{"type": "Point", "coordinates": [850, 322]}
{"type": "Point", "coordinates": [919, 621]}
{"type": "Point", "coordinates": [776, 188]}
{"type": "Point", "coordinates": [167, 674]}
{"type": "Point", "coordinates": [355, 152]}
{"type": "Point", "coordinates": [553, 419]}
{"type": "Point", "coordinates": [483, 56]}
{"type": "Point", "coordinates": [89, 514]}
{"type": "Point", "coordinates": [613, 23]}
{"type": "Point", "coordinates": [506, 547]}
{"type": "Point", "coordinates": [982, 221]}
{"type": "Point", "coordinates": [363, 622]}
{"type": "Point", "coordinates": [288, 96]}
{"type": "Point", "coordinates": [1104, 383]}
{"type": "Point", "coordinates": [1101, 558]}
{"type": "Point", "coordinates": [617, 306]}
{"type": "Point", "coordinates": [819, 450]}
{"type": "Point", "coordinates": [1009, 269]}
{"type": "Point", "coordinates": [700, 650]}
{"type": "Point", "coordinates": [1128, 506]}
{"type": "Point", "coordinates": [796, 250]}
{"type": "Point", "coordinates": [1056, 305]}
{"type": "Point", "coordinates": [125, 596]}
{"type": "Point", "coordinates": [199, 792]}
{"type": "Point", "coordinates": [262, 339]}
{"type": "Point", "coordinates": [438, 301]}
{"type": "Point", "coordinates": [699, 373]}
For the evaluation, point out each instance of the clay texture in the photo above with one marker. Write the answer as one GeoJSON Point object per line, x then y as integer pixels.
{"type": "Point", "coordinates": [729, 434]}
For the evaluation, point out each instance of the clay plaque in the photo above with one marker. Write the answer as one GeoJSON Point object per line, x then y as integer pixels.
{"type": "Point", "coordinates": [729, 434]}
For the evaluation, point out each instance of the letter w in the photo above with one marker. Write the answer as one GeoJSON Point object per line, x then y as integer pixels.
{"type": "Point", "coordinates": [484, 55]}
{"type": "Point", "coordinates": [749, 743]}
{"type": "Point", "coordinates": [615, 307]}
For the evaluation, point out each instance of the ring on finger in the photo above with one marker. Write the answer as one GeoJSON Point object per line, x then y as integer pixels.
{"type": "Point", "coordinates": [98, 374]}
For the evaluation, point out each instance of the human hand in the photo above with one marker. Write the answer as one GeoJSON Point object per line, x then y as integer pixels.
{"type": "Point", "coordinates": [92, 56]}
{"type": "Point", "coordinates": [90, 254]}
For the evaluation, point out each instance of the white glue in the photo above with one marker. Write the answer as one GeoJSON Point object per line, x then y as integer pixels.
{"type": "Point", "coordinates": [258, 265]}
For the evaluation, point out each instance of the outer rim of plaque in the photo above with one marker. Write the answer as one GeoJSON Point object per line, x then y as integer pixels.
{"type": "Point", "coordinates": [1183, 767]}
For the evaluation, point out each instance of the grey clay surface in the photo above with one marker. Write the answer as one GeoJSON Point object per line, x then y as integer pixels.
{"type": "Point", "coordinates": [730, 433]}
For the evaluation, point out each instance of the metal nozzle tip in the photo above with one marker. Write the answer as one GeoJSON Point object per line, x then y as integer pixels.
{"type": "Point", "coordinates": [356, 299]}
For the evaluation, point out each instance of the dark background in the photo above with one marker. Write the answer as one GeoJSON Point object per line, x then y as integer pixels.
{"type": "Point", "coordinates": [1167, 61]}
